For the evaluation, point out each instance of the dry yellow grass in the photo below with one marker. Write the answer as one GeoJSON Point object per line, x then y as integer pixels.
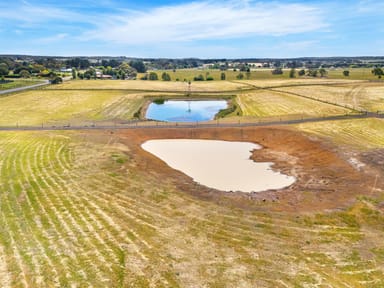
{"type": "Point", "coordinates": [265, 103]}
{"type": "Point", "coordinates": [362, 96]}
{"type": "Point", "coordinates": [297, 82]}
{"type": "Point", "coordinates": [208, 86]}
{"type": "Point", "coordinates": [58, 107]}
{"type": "Point", "coordinates": [364, 134]}
{"type": "Point", "coordinates": [77, 211]}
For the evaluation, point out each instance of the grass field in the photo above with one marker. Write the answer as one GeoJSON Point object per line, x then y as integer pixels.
{"type": "Point", "coordinates": [86, 209]}
{"type": "Point", "coordinates": [152, 86]}
{"type": "Point", "coordinates": [264, 103]}
{"type": "Point", "coordinates": [76, 211]}
{"type": "Point", "coordinates": [362, 96]}
{"type": "Point", "coordinates": [60, 107]}
{"type": "Point", "coordinates": [262, 74]}
{"type": "Point", "coordinates": [364, 134]}
{"type": "Point", "coordinates": [18, 84]}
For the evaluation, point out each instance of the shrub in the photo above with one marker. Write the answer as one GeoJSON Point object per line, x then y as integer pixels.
{"type": "Point", "coordinates": [198, 78]}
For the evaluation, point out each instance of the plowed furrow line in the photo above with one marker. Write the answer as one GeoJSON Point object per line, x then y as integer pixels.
{"type": "Point", "coordinates": [61, 151]}
{"type": "Point", "coordinates": [82, 202]}
{"type": "Point", "coordinates": [125, 208]}
{"type": "Point", "coordinates": [34, 231]}
{"type": "Point", "coordinates": [234, 229]}
{"type": "Point", "coordinates": [102, 217]}
{"type": "Point", "coordinates": [143, 207]}
{"type": "Point", "coordinates": [69, 240]}
{"type": "Point", "coordinates": [5, 280]}
{"type": "Point", "coordinates": [75, 220]}
{"type": "Point", "coordinates": [12, 255]}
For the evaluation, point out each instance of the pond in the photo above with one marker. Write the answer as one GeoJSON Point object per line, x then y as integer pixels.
{"type": "Point", "coordinates": [221, 165]}
{"type": "Point", "coordinates": [185, 111]}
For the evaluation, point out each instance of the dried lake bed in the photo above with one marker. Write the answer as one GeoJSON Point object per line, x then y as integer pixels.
{"type": "Point", "coordinates": [222, 165]}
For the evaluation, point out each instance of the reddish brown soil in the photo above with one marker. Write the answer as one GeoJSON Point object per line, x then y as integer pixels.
{"type": "Point", "coordinates": [325, 180]}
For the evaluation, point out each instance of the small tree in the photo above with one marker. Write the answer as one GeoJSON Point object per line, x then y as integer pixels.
{"type": "Point", "coordinates": [25, 74]}
{"type": "Point", "coordinates": [346, 73]}
{"type": "Point", "coordinates": [4, 70]}
{"type": "Point", "coordinates": [165, 76]}
{"type": "Point", "coordinates": [377, 71]}
{"type": "Point", "coordinates": [292, 73]}
{"type": "Point", "coordinates": [153, 76]}
{"type": "Point", "coordinates": [74, 73]}
{"type": "Point", "coordinates": [322, 72]}
{"type": "Point", "coordinates": [240, 76]}
{"type": "Point", "coordinates": [312, 72]}
{"type": "Point", "coordinates": [222, 76]}
{"type": "Point", "coordinates": [301, 72]}
{"type": "Point", "coordinates": [57, 80]}
{"type": "Point", "coordinates": [198, 78]}
{"type": "Point", "coordinates": [277, 71]}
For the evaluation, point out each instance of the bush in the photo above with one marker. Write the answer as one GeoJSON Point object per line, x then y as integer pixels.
{"type": "Point", "coordinates": [153, 76]}
{"type": "Point", "coordinates": [240, 76]}
{"type": "Point", "coordinates": [277, 71]}
{"type": "Point", "coordinates": [209, 78]}
{"type": "Point", "coordinates": [166, 77]}
{"type": "Point", "coordinates": [57, 80]}
{"type": "Point", "coordinates": [198, 78]}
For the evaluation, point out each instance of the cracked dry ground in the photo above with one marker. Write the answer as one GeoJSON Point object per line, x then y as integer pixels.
{"type": "Point", "coordinates": [91, 208]}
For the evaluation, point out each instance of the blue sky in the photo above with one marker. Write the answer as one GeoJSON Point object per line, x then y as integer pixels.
{"type": "Point", "coordinates": [204, 29]}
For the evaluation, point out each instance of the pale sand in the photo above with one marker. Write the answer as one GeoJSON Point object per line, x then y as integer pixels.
{"type": "Point", "coordinates": [221, 165]}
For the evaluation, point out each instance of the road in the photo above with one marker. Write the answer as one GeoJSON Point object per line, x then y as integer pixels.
{"type": "Point", "coordinates": [46, 82]}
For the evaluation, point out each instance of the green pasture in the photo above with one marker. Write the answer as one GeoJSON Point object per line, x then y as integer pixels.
{"type": "Point", "coordinates": [18, 83]}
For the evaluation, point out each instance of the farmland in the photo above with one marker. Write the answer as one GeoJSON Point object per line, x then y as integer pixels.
{"type": "Point", "coordinates": [90, 208]}
{"type": "Point", "coordinates": [18, 84]}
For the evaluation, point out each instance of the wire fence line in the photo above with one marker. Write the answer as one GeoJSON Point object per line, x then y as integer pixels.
{"type": "Point", "coordinates": [149, 124]}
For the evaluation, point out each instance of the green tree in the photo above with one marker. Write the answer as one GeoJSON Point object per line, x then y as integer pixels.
{"type": "Point", "coordinates": [165, 76]}
{"type": "Point", "coordinates": [74, 73]}
{"type": "Point", "coordinates": [153, 76]}
{"type": "Point", "coordinates": [346, 73]}
{"type": "Point", "coordinates": [57, 80]}
{"type": "Point", "coordinates": [312, 72]}
{"type": "Point", "coordinates": [222, 76]}
{"type": "Point", "coordinates": [139, 66]}
{"type": "Point", "coordinates": [322, 72]}
{"type": "Point", "coordinates": [301, 72]}
{"type": "Point", "coordinates": [377, 71]}
{"type": "Point", "coordinates": [277, 71]}
{"type": "Point", "coordinates": [198, 78]}
{"type": "Point", "coordinates": [240, 76]}
{"type": "Point", "coordinates": [25, 74]}
{"type": "Point", "coordinates": [292, 73]}
{"type": "Point", "coordinates": [4, 69]}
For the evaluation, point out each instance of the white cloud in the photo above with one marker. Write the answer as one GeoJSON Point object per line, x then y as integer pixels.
{"type": "Point", "coordinates": [208, 20]}
{"type": "Point", "coordinates": [54, 38]}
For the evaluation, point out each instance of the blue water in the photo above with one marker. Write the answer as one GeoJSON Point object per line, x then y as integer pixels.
{"type": "Point", "coordinates": [185, 111]}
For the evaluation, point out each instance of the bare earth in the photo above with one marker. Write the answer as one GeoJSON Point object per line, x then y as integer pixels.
{"type": "Point", "coordinates": [326, 179]}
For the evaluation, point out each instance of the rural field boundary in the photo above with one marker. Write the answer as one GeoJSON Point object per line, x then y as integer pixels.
{"type": "Point", "coordinates": [149, 124]}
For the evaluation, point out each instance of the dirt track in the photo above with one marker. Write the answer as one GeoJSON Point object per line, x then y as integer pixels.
{"type": "Point", "coordinates": [325, 179]}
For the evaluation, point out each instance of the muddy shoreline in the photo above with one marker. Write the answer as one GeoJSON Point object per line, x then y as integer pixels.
{"type": "Point", "coordinates": [325, 180]}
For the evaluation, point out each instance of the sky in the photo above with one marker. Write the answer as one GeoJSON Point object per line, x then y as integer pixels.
{"type": "Point", "coordinates": [201, 28]}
